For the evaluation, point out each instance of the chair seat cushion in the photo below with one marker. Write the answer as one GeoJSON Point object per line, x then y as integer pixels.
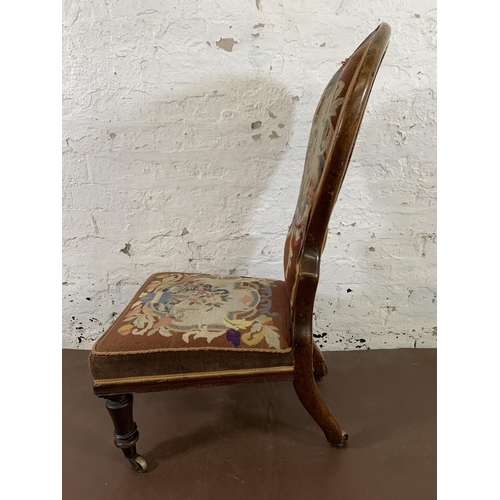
{"type": "Point", "coordinates": [196, 323]}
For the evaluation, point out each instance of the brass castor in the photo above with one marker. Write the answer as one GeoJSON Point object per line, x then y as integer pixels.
{"type": "Point", "coordinates": [140, 465]}
{"type": "Point", "coordinates": [342, 443]}
{"type": "Point", "coordinates": [318, 377]}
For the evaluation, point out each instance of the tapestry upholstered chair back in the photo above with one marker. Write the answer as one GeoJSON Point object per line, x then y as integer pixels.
{"type": "Point", "coordinates": [189, 330]}
{"type": "Point", "coordinates": [333, 134]}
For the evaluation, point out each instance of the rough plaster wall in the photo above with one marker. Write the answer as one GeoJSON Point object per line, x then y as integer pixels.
{"type": "Point", "coordinates": [184, 135]}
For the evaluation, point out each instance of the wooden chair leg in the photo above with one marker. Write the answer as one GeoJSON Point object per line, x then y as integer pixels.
{"type": "Point", "coordinates": [126, 433]}
{"type": "Point", "coordinates": [319, 364]}
{"type": "Point", "coordinates": [313, 402]}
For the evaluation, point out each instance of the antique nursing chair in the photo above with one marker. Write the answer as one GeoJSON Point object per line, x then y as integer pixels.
{"type": "Point", "coordinates": [197, 330]}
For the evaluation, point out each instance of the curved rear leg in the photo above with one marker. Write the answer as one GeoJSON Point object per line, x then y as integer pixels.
{"type": "Point", "coordinates": [313, 402]}
{"type": "Point", "coordinates": [319, 364]}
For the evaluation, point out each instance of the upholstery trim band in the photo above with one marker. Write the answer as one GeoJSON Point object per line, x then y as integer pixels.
{"type": "Point", "coordinates": [184, 376]}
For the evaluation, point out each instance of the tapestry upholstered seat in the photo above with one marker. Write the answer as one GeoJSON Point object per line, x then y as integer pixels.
{"type": "Point", "coordinates": [197, 323]}
{"type": "Point", "coordinates": [197, 330]}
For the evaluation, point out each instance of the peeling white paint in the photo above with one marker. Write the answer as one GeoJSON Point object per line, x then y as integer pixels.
{"type": "Point", "coordinates": [165, 169]}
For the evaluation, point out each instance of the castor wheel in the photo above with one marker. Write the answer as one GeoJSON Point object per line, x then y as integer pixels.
{"type": "Point", "coordinates": [318, 377]}
{"type": "Point", "coordinates": [140, 465]}
{"type": "Point", "coordinates": [342, 443]}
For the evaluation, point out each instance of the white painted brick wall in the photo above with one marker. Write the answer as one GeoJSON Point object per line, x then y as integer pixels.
{"type": "Point", "coordinates": [163, 170]}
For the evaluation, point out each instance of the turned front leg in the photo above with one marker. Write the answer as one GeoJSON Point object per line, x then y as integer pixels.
{"type": "Point", "coordinates": [126, 433]}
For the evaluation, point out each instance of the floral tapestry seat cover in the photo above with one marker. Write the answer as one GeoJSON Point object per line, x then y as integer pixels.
{"type": "Point", "coordinates": [187, 323]}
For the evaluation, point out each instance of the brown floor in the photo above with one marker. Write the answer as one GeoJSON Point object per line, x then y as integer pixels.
{"type": "Point", "coordinates": [257, 441]}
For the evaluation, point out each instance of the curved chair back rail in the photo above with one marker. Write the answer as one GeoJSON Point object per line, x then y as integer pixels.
{"type": "Point", "coordinates": [351, 88]}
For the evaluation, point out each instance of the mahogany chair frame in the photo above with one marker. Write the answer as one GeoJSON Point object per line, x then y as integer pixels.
{"type": "Point", "coordinates": [309, 362]}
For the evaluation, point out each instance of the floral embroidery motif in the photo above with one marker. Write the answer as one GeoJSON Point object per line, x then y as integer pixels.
{"type": "Point", "coordinates": [195, 306]}
{"type": "Point", "coordinates": [321, 131]}
{"type": "Point", "coordinates": [233, 336]}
